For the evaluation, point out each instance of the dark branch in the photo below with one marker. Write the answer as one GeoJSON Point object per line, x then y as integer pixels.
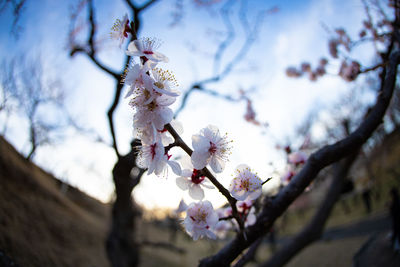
{"type": "Point", "coordinates": [314, 229]}
{"type": "Point", "coordinates": [317, 161]}
{"type": "Point", "coordinates": [250, 254]}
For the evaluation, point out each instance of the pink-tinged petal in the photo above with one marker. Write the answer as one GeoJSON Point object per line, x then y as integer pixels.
{"type": "Point", "coordinates": [195, 235]}
{"type": "Point", "coordinates": [134, 49]}
{"type": "Point", "coordinates": [182, 183]}
{"type": "Point", "coordinates": [200, 143]}
{"type": "Point", "coordinates": [206, 185]}
{"type": "Point", "coordinates": [176, 168]}
{"type": "Point", "coordinates": [160, 167]}
{"type": "Point", "coordinates": [166, 140]}
{"type": "Point", "coordinates": [151, 168]}
{"type": "Point", "coordinates": [163, 117]}
{"type": "Point", "coordinates": [147, 81]}
{"type": "Point", "coordinates": [239, 194]}
{"type": "Point", "coordinates": [254, 195]}
{"type": "Point", "coordinates": [242, 167]}
{"type": "Point", "coordinates": [157, 57]}
{"type": "Point", "coordinates": [187, 173]}
{"type": "Point", "coordinates": [251, 219]}
{"type": "Point", "coordinates": [166, 92]}
{"type": "Point", "coordinates": [217, 164]}
{"type": "Point", "coordinates": [165, 100]}
{"type": "Point", "coordinates": [199, 159]}
{"type": "Point", "coordinates": [196, 192]}
{"type": "Point", "coordinates": [211, 235]}
{"type": "Point", "coordinates": [212, 219]}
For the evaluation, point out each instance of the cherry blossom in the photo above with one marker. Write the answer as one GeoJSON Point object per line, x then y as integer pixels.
{"type": "Point", "coordinates": [287, 176]}
{"type": "Point", "coordinates": [245, 185]}
{"type": "Point", "coordinates": [222, 228]}
{"type": "Point", "coordinates": [210, 148]}
{"type": "Point", "coordinates": [193, 181]}
{"type": "Point", "coordinates": [121, 29]}
{"type": "Point", "coordinates": [246, 209]}
{"type": "Point", "coordinates": [156, 112]}
{"type": "Point", "coordinates": [137, 79]}
{"type": "Point", "coordinates": [145, 47]}
{"type": "Point", "coordinates": [298, 157]}
{"type": "Point", "coordinates": [164, 82]}
{"type": "Point", "coordinates": [349, 72]}
{"type": "Point", "coordinates": [201, 220]}
{"type": "Point", "coordinates": [154, 158]}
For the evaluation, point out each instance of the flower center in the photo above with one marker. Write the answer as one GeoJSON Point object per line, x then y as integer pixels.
{"type": "Point", "coordinates": [148, 52]}
{"type": "Point", "coordinates": [127, 29]}
{"type": "Point", "coordinates": [152, 106]}
{"type": "Point", "coordinates": [245, 185]}
{"type": "Point", "coordinates": [196, 178]}
{"type": "Point", "coordinates": [213, 148]}
{"type": "Point", "coordinates": [153, 150]}
{"type": "Point", "coordinates": [159, 85]}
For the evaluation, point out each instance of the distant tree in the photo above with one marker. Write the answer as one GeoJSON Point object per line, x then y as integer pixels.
{"type": "Point", "coordinates": [29, 92]}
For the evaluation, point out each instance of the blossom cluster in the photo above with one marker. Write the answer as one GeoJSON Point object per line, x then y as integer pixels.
{"type": "Point", "coordinates": [151, 91]}
{"type": "Point", "coordinates": [295, 159]}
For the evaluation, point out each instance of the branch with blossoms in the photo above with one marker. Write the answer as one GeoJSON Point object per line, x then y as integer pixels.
{"type": "Point", "coordinates": [151, 91]}
{"type": "Point", "coordinates": [341, 45]}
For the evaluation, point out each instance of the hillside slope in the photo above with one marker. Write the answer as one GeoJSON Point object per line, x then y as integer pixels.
{"type": "Point", "coordinates": [42, 226]}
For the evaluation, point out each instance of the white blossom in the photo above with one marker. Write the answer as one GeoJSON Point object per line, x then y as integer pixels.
{"type": "Point", "coordinates": [156, 112]}
{"type": "Point", "coordinates": [164, 82]}
{"type": "Point", "coordinates": [145, 47]}
{"type": "Point", "coordinates": [201, 220]}
{"type": "Point", "coordinates": [154, 158]}
{"type": "Point", "coordinates": [246, 208]}
{"type": "Point", "coordinates": [245, 184]}
{"type": "Point", "coordinates": [193, 181]}
{"type": "Point", "coordinates": [120, 29]}
{"type": "Point", "coordinates": [137, 79]}
{"type": "Point", "coordinates": [210, 148]}
{"type": "Point", "coordinates": [298, 157]}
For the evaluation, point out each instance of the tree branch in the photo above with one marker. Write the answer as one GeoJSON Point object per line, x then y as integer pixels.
{"type": "Point", "coordinates": [317, 161]}
{"type": "Point", "coordinates": [315, 227]}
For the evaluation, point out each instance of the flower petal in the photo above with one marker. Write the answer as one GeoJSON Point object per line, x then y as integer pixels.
{"type": "Point", "coordinates": [196, 192]}
{"type": "Point", "coordinates": [217, 164]}
{"type": "Point", "coordinates": [182, 183]}
{"type": "Point", "coordinates": [176, 168]}
{"type": "Point", "coordinates": [254, 195]}
{"type": "Point", "coordinates": [199, 159]}
{"type": "Point", "coordinates": [200, 143]}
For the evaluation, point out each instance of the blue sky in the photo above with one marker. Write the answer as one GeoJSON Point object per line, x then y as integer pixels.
{"type": "Point", "coordinates": [288, 37]}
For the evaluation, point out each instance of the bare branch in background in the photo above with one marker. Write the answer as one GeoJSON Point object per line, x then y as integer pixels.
{"type": "Point", "coordinates": [30, 90]}
{"type": "Point", "coordinates": [222, 71]}
{"type": "Point", "coordinates": [17, 7]}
